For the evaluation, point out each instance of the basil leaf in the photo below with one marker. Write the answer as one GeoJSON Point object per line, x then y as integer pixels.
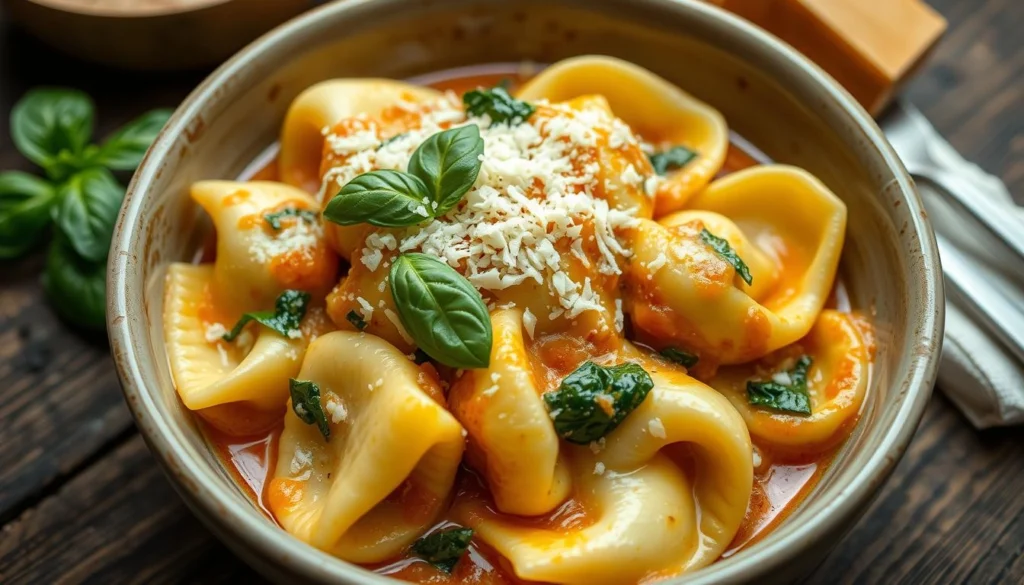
{"type": "Point", "coordinates": [443, 549]}
{"type": "Point", "coordinates": [289, 309]}
{"type": "Point", "coordinates": [124, 150]}
{"type": "Point", "coordinates": [51, 124]}
{"type": "Point", "coordinates": [89, 202]}
{"type": "Point", "coordinates": [448, 163]}
{"type": "Point", "coordinates": [497, 104]}
{"type": "Point", "coordinates": [593, 400]}
{"type": "Point", "coordinates": [671, 159]}
{"type": "Point", "coordinates": [792, 398]}
{"type": "Point", "coordinates": [683, 358]}
{"type": "Point", "coordinates": [25, 203]}
{"type": "Point", "coordinates": [724, 250]}
{"type": "Point", "coordinates": [274, 218]}
{"type": "Point", "coordinates": [306, 405]}
{"type": "Point", "coordinates": [75, 286]}
{"type": "Point", "coordinates": [381, 198]}
{"type": "Point", "coordinates": [441, 310]}
{"type": "Point", "coordinates": [356, 320]}
{"type": "Point", "coordinates": [388, 141]}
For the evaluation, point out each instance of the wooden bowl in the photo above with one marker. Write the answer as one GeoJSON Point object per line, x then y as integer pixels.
{"type": "Point", "coordinates": [768, 92]}
{"type": "Point", "coordinates": [152, 34]}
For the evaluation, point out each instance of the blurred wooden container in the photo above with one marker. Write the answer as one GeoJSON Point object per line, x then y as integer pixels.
{"type": "Point", "coordinates": [152, 34]}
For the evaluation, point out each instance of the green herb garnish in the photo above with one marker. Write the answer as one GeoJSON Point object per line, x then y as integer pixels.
{"type": "Point", "coordinates": [683, 358]}
{"type": "Point", "coordinates": [724, 250]}
{"type": "Point", "coordinates": [497, 104]}
{"type": "Point", "coordinates": [274, 218]}
{"type": "Point", "coordinates": [306, 405]}
{"type": "Point", "coordinates": [53, 128]}
{"type": "Point", "coordinates": [441, 310]}
{"type": "Point", "coordinates": [356, 320]}
{"type": "Point", "coordinates": [792, 397]}
{"type": "Point", "coordinates": [441, 171]}
{"type": "Point", "coordinates": [388, 141]}
{"type": "Point", "coordinates": [289, 309]}
{"type": "Point", "coordinates": [671, 159]}
{"type": "Point", "coordinates": [443, 549]}
{"type": "Point", "coordinates": [593, 400]}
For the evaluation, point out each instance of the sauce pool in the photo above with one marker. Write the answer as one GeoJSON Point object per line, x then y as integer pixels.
{"type": "Point", "coordinates": [781, 481]}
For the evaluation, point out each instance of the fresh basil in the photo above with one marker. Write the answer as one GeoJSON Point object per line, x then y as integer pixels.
{"type": "Point", "coordinates": [674, 158]}
{"type": "Point", "coordinates": [306, 405]}
{"type": "Point", "coordinates": [593, 400]}
{"type": "Point", "coordinates": [724, 250]}
{"type": "Point", "coordinates": [381, 198]}
{"type": "Point", "coordinates": [441, 310]}
{"type": "Point", "coordinates": [124, 150]}
{"type": "Point", "coordinates": [52, 126]}
{"type": "Point", "coordinates": [497, 104]}
{"type": "Point", "coordinates": [89, 202]}
{"type": "Point", "coordinates": [388, 141]}
{"type": "Point", "coordinates": [792, 398]}
{"type": "Point", "coordinates": [356, 320]}
{"type": "Point", "coordinates": [448, 163]}
{"type": "Point", "coordinates": [25, 203]}
{"type": "Point", "coordinates": [443, 549]}
{"type": "Point", "coordinates": [681, 357]}
{"type": "Point", "coordinates": [75, 286]}
{"type": "Point", "coordinates": [289, 309]}
{"type": "Point", "coordinates": [274, 219]}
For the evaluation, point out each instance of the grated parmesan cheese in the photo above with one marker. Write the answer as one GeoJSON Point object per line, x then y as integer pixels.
{"type": "Point", "coordinates": [215, 332]}
{"type": "Point", "coordinates": [301, 236]}
{"type": "Point", "coordinates": [599, 468]}
{"type": "Point", "coordinates": [656, 428]}
{"type": "Point", "coordinates": [529, 322]}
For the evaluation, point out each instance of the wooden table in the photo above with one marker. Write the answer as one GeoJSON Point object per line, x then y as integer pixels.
{"type": "Point", "coordinates": [82, 500]}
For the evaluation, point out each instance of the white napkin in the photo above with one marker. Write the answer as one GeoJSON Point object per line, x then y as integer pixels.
{"type": "Point", "coordinates": [977, 372]}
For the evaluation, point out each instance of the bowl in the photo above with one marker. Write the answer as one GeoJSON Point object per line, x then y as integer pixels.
{"type": "Point", "coordinates": [770, 95]}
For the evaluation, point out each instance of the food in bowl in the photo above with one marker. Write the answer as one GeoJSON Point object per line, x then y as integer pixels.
{"type": "Point", "coordinates": [580, 335]}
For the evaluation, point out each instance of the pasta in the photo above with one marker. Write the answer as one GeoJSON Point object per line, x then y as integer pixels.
{"type": "Point", "coordinates": [542, 321]}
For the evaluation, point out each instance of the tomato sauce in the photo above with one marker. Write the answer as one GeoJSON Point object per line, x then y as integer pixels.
{"type": "Point", "coordinates": [781, 480]}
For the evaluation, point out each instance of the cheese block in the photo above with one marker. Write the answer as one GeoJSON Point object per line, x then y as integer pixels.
{"type": "Point", "coordinates": [868, 46]}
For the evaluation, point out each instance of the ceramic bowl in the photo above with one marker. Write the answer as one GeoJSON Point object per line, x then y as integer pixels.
{"type": "Point", "coordinates": [769, 94]}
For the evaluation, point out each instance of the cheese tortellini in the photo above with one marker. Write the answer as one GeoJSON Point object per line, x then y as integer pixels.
{"type": "Point", "coordinates": [659, 329]}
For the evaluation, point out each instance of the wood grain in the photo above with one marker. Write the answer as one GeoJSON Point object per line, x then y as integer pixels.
{"type": "Point", "coordinates": [82, 501]}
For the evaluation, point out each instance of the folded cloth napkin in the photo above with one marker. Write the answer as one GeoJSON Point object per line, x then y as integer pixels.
{"type": "Point", "coordinates": [977, 372]}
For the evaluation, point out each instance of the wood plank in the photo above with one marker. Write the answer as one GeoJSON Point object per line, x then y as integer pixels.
{"type": "Point", "coordinates": [118, 521]}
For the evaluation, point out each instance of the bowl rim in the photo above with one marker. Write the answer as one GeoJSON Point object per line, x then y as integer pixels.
{"type": "Point", "coordinates": [242, 528]}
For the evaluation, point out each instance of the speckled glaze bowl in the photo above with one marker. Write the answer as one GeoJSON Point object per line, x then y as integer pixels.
{"type": "Point", "coordinates": [769, 94]}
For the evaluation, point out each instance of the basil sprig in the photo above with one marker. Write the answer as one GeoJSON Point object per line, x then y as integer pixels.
{"type": "Point", "coordinates": [593, 400]}
{"type": "Point", "coordinates": [440, 173]}
{"type": "Point", "coordinates": [725, 252]}
{"type": "Point", "coordinates": [289, 309]}
{"type": "Point", "coordinates": [793, 398]}
{"type": "Point", "coordinates": [441, 310]}
{"type": "Point", "coordinates": [306, 405]}
{"type": "Point", "coordinates": [273, 219]}
{"type": "Point", "coordinates": [53, 128]}
{"type": "Point", "coordinates": [498, 105]}
{"type": "Point", "coordinates": [356, 320]}
{"type": "Point", "coordinates": [443, 549]}
{"type": "Point", "coordinates": [674, 158]}
{"type": "Point", "coordinates": [681, 357]}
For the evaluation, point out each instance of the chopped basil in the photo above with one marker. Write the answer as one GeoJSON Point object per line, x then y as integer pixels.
{"type": "Point", "coordinates": [420, 357]}
{"type": "Point", "coordinates": [356, 320]}
{"type": "Point", "coordinates": [388, 141]}
{"type": "Point", "coordinates": [724, 250]}
{"type": "Point", "coordinates": [288, 312]}
{"type": "Point", "coordinates": [306, 405]}
{"type": "Point", "coordinates": [497, 104]}
{"type": "Point", "coordinates": [683, 358]}
{"type": "Point", "coordinates": [274, 219]}
{"type": "Point", "coordinates": [671, 159]}
{"type": "Point", "coordinates": [441, 310]}
{"type": "Point", "coordinates": [443, 549]}
{"type": "Point", "coordinates": [792, 397]}
{"type": "Point", "coordinates": [448, 163]}
{"type": "Point", "coordinates": [593, 400]}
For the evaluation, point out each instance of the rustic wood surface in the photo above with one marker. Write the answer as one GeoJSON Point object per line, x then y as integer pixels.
{"type": "Point", "coordinates": [81, 500]}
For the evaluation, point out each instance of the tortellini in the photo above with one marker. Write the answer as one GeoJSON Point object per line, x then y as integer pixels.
{"type": "Point", "coordinates": [788, 228]}
{"type": "Point", "coordinates": [383, 477]}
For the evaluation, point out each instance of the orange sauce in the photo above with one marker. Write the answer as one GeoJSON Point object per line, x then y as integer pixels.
{"type": "Point", "coordinates": [781, 482]}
